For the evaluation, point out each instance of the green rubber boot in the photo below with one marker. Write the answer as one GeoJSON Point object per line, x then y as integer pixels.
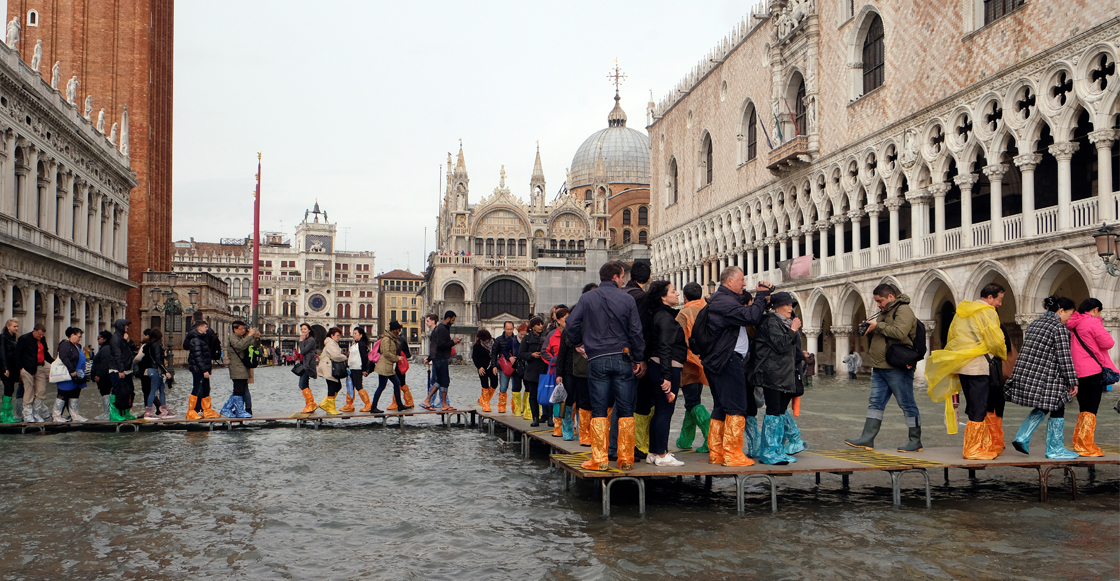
{"type": "Point", "coordinates": [7, 414]}
{"type": "Point", "coordinates": [688, 432]}
{"type": "Point", "coordinates": [702, 418]}
{"type": "Point", "coordinates": [115, 414]}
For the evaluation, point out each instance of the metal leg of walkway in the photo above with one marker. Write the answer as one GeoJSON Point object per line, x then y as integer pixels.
{"type": "Point", "coordinates": [896, 478]}
{"type": "Point", "coordinates": [135, 427]}
{"type": "Point", "coordinates": [1044, 485]}
{"type": "Point", "coordinates": [740, 491]}
{"type": "Point", "coordinates": [525, 446]}
{"type": "Point", "coordinates": [606, 485]}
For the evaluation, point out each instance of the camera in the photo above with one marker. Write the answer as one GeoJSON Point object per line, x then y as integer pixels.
{"type": "Point", "coordinates": [863, 327]}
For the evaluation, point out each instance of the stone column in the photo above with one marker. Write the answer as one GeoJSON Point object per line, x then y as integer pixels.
{"type": "Point", "coordinates": [893, 204]}
{"type": "Point", "coordinates": [812, 338]}
{"type": "Point", "coordinates": [795, 243]}
{"type": "Point", "coordinates": [66, 208]}
{"type": "Point", "coordinates": [48, 318]}
{"type": "Point", "coordinates": [1063, 152]}
{"type": "Point", "coordinates": [873, 212]}
{"type": "Point", "coordinates": [90, 337]}
{"type": "Point", "coordinates": [758, 262]}
{"type": "Point", "coordinates": [917, 222]}
{"type": "Point", "coordinates": [854, 217]}
{"type": "Point", "coordinates": [822, 229]}
{"type": "Point", "coordinates": [938, 192]}
{"type": "Point", "coordinates": [9, 288]}
{"type": "Point", "coordinates": [783, 253]}
{"type": "Point", "coordinates": [25, 204]}
{"type": "Point", "coordinates": [838, 229]}
{"type": "Point", "coordinates": [64, 309]}
{"type": "Point", "coordinates": [1103, 140]}
{"type": "Point", "coordinates": [8, 175]}
{"type": "Point", "coordinates": [771, 252]}
{"type": "Point", "coordinates": [1027, 163]}
{"type": "Point", "coordinates": [50, 199]}
{"type": "Point", "coordinates": [96, 317]}
{"type": "Point", "coordinates": [843, 345]}
{"type": "Point", "coordinates": [95, 223]}
{"type": "Point", "coordinates": [28, 321]}
{"type": "Point", "coordinates": [748, 260]}
{"type": "Point", "coordinates": [995, 176]}
{"type": "Point", "coordinates": [965, 182]}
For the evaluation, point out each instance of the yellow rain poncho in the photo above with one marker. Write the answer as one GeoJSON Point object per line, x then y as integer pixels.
{"type": "Point", "coordinates": [975, 332]}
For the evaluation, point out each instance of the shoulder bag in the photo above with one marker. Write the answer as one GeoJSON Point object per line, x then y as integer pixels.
{"type": "Point", "coordinates": [1108, 375]}
{"type": "Point", "coordinates": [59, 373]}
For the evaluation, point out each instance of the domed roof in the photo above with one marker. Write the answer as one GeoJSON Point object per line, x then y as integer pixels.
{"type": "Point", "coordinates": [625, 153]}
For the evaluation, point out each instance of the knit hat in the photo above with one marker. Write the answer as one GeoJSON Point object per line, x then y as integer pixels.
{"type": "Point", "coordinates": [394, 325]}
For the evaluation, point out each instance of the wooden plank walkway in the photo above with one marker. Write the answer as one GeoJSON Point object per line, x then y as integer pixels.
{"type": "Point", "coordinates": [465, 417]}
{"type": "Point", "coordinates": [568, 455]}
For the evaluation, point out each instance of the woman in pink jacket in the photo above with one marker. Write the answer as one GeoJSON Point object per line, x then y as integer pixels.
{"type": "Point", "coordinates": [1089, 345]}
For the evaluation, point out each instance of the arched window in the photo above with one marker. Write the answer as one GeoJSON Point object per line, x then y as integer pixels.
{"type": "Point", "coordinates": [504, 296]}
{"type": "Point", "coordinates": [993, 9]}
{"type": "Point", "coordinates": [478, 246]}
{"type": "Point", "coordinates": [521, 245]}
{"type": "Point", "coordinates": [626, 236]}
{"type": "Point", "coordinates": [563, 245]}
{"type": "Point", "coordinates": [706, 163]}
{"type": "Point", "coordinates": [873, 56]}
{"type": "Point", "coordinates": [749, 133]}
{"type": "Point", "coordinates": [643, 216]}
{"type": "Point", "coordinates": [799, 108]}
{"type": "Point", "coordinates": [552, 244]}
{"type": "Point", "coordinates": [236, 287]}
{"type": "Point", "coordinates": [643, 237]}
{"type": "Point", "coordinates": [626, 217]}
{"type": "Point", "coordinates": [672, 181]}
{"type": "Point", "coordinates": [361, 311]}
{"type": "Point", "coordinates": [489, 247]}
{"type": "Point", "coordinates": [580, 244]}
{"type": "Point", "coordinates": [501, 247]}
{"type": "Point", "coordinates": [32, 18]}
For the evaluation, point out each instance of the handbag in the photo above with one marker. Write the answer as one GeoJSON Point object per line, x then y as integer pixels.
{"type": "Point", "coordinates": [402, 365]}
{"type": "Point", "coordinates": [507, 367]}
{"type": "Point", "coordinates": [1109, 376]}
{"type": "Point", "coordinates": [339, 369]}
{"type": "Point", "coordinates": [59, 373]}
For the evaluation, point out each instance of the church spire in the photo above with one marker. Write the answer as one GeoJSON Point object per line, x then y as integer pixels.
{"type": "Point", "coordinates": [461, 163]}
{"type": "Point", "coordinates": [617, 117]}
{"type": "Point", "coordinates": [538, 170]}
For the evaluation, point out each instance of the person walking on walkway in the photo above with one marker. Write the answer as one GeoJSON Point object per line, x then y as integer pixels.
{"type": "Point", "coordinates": [895, 324]}
{"type": "Point", "coordinates": [644, 396]}
{"type": "Point", "coordinates": [158, 375]}
{"type": "Point", "coordinates": [970, 362]}
{"type": "Point", "coordinates": [306, 364]}
{"type": "Point", "coordinates": [34, 359]}
{"type": "Point", "coordinates": [200, 360]}
{"type": "Point", "coordinates": [143, 364]}
{"type": "Point", "coordinates": [386, 367]}
{"type": "Point", "coordinates": [440, 345]}
{"type": "Point", "coordinates": [537, 361]}
{"type": "Point", "coordinates": [726, 363]}
{"type": "Point", "coordinates": [100, 374]}
{"type": "Point", "coordinates": [696, 416]}
{"type": "Point", "coordinates": [583, 390]}
{"type": "Point", "coordinates": [776, 354]}
{"type": "Point", "coordinates": [482, 355]}
{"type": "Point", "coordinates": [9, 371]}
{"type": "Point", "coordinates": [72, 357]}
{"type": "Point", "coordinates": [1045, 379]}
{"type": "Point", "coordinates": [240, 403]}
{"type": "Point", "coordinates": [606, 322]}
{"type": "Point", "coordinates": [1090, 346]}
{"type": "Point", "coordinates": [357, 362]}
{"type": "Point", "coordinates": [561, 412]}
{"type": "Point", "coordinates": [332, 353]}
{"type": "Point", "coordinates": [520, 364]}
{"type": "Point", "coordinates": [505, 348]}
{"type": "Point", "coordinates": [854, 362]}
{"type": "Point", "coordinates": [666, 348]}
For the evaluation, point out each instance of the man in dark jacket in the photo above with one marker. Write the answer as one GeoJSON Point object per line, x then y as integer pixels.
{"type": "Point", "coordinates": [643, 397]}
{"type": "Point", "coordinates": [728, 318]}
{"type": "Point", "coordinates": [200, 362]}
{"type": "Point", "coordinates": [440, 345]}
{"type": "Point", "coordinates": [100, 373]}
{"type": "Point", "coordinates": [34, 359]}
{"type": "Point", "coordinates": [9, 372]}
{"type": "Point", "coordinates": [505, 345]}
{"type": "Point", "coordinates": [121, 355]}
{"type": "Point", "coordinates": [606, 322]}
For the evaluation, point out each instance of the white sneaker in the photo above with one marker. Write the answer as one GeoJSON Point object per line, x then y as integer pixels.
{"type": "Point", "coordinates": [650, 458]}
{"type": "Point", "coordinates": [667, 460]}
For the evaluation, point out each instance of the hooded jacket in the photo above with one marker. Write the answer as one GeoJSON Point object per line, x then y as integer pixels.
{"type": "Point", "coordinates": [199, 356]}
{"type": "Point", "coordinates": [331, 352]}
{"type": "Point", "coordinates": [1091, 330]}
{"type": "Point", "coordinates": [727, 313]}
{"type": "Point", "coordinates": [897, 324]}
{"type": "Point", "coordinates": [390, 354]}
{"type": "Point", "coordinates": [120, 353]}
{"type": "Point", "coordinates": [776, 350]}
{"type": "Point", "coordinates": [974, 333]}
{"type": "Point", "coordinates": [8, 354]}
{"type": "Point", "coordinates": [693, 371]}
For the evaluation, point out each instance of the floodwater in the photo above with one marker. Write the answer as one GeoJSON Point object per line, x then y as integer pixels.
{"type": "Point", "coordinates": [430, 502]}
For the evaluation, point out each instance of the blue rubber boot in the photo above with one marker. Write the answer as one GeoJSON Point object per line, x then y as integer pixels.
{"type": "Point", "coordinates": [794, 443]}
{"type": "Point", "coordinates": [235, 408]}
{"type": "Point", "coordinates": [754, 438]}
{"type": "Point", "coordinates": [773, 434]}
{"type": "Point", "coordinates": [227, 409]}
{"type": "Point", "coordinates": [567, 428]}
{"type": "Point", "coordinates": [1022, 440]}
{"type": "Point", "coordinates": [1055, 433]}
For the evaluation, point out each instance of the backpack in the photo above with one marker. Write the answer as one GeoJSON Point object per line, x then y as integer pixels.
{"type": "Point", "coordinates": [253, 357]}
{"type": "Point", "coordinates": [902, 356]}
{"type": "Point", "coordinates": [702, 342]}
{"type": "Point", "coordinates": [375, 352]}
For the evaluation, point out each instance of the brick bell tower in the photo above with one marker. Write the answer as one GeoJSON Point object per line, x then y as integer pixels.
{"type": "Point", "coordinates": [121, 51]}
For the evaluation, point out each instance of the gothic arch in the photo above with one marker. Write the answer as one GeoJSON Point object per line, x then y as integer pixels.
{"type": "Point", "coordinates": [477, 220]}
{"type": "Point", "coordinates": [497, 295]}
{"type": "Point", "coordinates": [922, 301]}
{"type": "Point", "coordinates": [855, 38]}
{"type": "Point", "coordinates": [850, 300]}
{"type": "Point", "coordinates": [1042, 277]}
{"type": "Point", "coordinates": [816, 307]}
{"type": "Point", "coordinates": [982, 275]}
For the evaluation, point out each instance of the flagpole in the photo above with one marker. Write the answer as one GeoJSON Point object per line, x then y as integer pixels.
{"type": "Point", "coordinates": [256, 246]}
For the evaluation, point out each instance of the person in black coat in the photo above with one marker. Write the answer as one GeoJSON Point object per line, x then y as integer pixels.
{"type": "Point", "coordinates": [200, 359]}
{"type": "Point", "coordinates": [482, 355]}
{"type": "Point", "coordinates": [776, 355]}
{"type": "Point", "coordinates": [121, 355]}
{"type": "Point", "coordinates": [667, 350]}
{"type": "Point", "coordinates": [9, 370]}
{"type": "Point", "coordinates": [532, 349]}
{"type": "Point", "coordinates": [100, 374]}
{"type": "Point", "coordinates": [33, 358]}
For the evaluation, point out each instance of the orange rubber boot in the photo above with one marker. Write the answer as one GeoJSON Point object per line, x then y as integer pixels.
{"type": "Point", "coordinates": [626, 442]}
{"type": "Point", "coordinates": [557, 422]}
{"type": "Point", "coordinates": [406, 396]}
{"type": "Point", "coordinates": [733, 442]}
{"type": "Point", "coordinates": [715, 441]}
{"type": "Point", "coordinates": [207, 411]}
{"type": "Point", "coordinates": [309, 400]}
{"type": "Point", "coordinates": [191, 403]}
{"type": "Point", "coordinates": [977, 442]}
{"type": "Point", "coordinates": [1084, 435]}
{"type": "Point", "coordinates": [349, 407]}
{"type": "Point", "coordinates": [600, 431]}
{"type": "Point", "coordinates": [502, 402]}
{"type": "Point", "coordinates": [584, 427]}
{"type": "Point", "coordinates": [487, 394]}
{"type": "Point", "coordinates": [994, 424]}
{"type": "Point", "coordinates": [365, 399]}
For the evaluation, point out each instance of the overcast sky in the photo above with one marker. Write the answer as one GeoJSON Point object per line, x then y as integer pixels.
{"type": "Point", "coordinates": [357, 104]}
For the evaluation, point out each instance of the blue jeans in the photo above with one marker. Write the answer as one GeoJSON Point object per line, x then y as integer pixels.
{"type": "Point", "coordinates": [157, 386]}
{"type": "Point", "coordinates": [611, 375]}
{"type": "Point", "coordinates": [440, 374]}
{"type": "Point", "coordinates": [503, 381]}
{"type": "Point", "coordinates": [897, 382]}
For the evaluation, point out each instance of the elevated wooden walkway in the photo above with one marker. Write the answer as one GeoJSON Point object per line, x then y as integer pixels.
{"type": "Point", "coordinates": [568, 455]}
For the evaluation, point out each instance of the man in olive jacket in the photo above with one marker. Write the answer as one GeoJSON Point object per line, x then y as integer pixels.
{"type": "Point", "coordinates": [895, 324]}
{"type": "Point", "coordinates": [240, 404]}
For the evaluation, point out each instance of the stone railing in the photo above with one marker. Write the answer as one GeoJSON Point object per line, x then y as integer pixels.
{"type": "Point", "coordinates": [981, 233]}
{"type": "Point", "coordinates": [788, 153]}
{"type": "Point", "coordinates": [1084, 212]}
{"type": "Point", "coordinates": [952, 239]}
{"type": "Point", "coordinates": [49, 242]}
{"type": "Point", "coordinates": [1046, 221]}
{"type": "Point", "coordinates": [1012, 227]}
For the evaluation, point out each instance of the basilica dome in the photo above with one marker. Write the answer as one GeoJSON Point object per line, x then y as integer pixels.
{"type": "Point", "coordinates": [625, 153]}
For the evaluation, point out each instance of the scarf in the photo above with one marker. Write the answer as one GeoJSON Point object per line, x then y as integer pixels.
{"type": "Point", "coordinates": [489, 345]}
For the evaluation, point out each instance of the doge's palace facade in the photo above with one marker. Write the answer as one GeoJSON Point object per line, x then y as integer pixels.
{"type": "Point", "coordinates": [936, 146]}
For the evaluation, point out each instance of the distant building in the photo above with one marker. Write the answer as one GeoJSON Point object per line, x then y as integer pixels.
{"type": "Point", "coordinates": [400, 301]}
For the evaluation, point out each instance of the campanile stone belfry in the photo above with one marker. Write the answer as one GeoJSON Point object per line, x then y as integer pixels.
{"type": "Point", "coordinates": [121, 53]}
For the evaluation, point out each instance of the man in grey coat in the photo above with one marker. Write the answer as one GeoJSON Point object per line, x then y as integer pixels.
{"type": "Point", "coordinates": [244, 347]}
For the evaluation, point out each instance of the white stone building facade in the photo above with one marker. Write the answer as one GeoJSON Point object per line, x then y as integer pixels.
{"type": "Point", "coordinates": [938, 147]}
{"type": "Point", "coordinates": [64, 204]}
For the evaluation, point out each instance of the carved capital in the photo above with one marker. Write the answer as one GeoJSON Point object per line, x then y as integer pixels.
{"type": "Point", "coordinates": [838, 219]}
{"type": "Point", "coordinates": [811, 332]}
{"type": "Point", "coordinates": [938, 190]}
{"type": "Point", "coordinates": [1064, 151]}
{"type": "Point", "coordinates": [893, 204]}
{"type": "Point", "coordinates": [996, 171]}
{"type": "Point", "coordinates": [873, 210]}
{"type": "Point", "coordinates": [855, 215]}
{"type": "Point", "coordinates": [1028, 161]}
{"type": "Point", "coordinates": [965, 180]}
{"type": "Point", "coordinates": [1103, 138]}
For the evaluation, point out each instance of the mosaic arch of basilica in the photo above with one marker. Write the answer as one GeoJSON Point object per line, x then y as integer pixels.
{"type": "Point", "coordinates": [936, 146]}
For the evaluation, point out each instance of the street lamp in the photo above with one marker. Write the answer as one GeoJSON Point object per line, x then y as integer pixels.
{"type": "Point", "coordinates": [1107, 239]}
{"type": "Point", "coordinates": [172, 309]}
{"type": "Point", "coordinates": [711, 287]}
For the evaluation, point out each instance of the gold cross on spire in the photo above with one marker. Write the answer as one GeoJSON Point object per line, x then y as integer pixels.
{"type": "Point", "coordinates": [616, 76]}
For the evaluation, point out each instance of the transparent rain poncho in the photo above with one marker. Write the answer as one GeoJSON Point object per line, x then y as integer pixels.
{"type": "Point", "coordinates": [975, 331]}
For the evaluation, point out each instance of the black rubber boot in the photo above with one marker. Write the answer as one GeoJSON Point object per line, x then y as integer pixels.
{"type": "Point", "coordinates": [866, 441]}
{"type": "Point", "coordinates": [915, 443]}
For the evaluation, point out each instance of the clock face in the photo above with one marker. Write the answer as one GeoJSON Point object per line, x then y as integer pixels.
{"type": "Point", "coordinates": [317, 302]}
